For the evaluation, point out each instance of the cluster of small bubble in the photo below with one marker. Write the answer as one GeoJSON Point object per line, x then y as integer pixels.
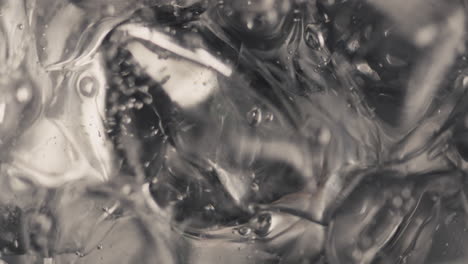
{"type": "Point", "coordinates": [129, 86]}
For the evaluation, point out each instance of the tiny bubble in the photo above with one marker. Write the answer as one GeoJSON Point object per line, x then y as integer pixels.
{"type": "Point", "coordinates": [244, 231]}
{"type": "Point", "coordinates": [254, 116]}
{"type": "Point", "coordinates": [209, 207]}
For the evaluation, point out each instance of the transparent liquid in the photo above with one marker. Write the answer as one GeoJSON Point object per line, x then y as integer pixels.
{"type": "Point", "coordinates": [234, 132]}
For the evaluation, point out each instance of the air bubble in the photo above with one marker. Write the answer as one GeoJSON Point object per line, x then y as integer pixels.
{"type": "Point", "coordinates": [254, 116]}
{"type": "Point", "coordinates": [397, 202]}
{"type": "Point", "coordinates": [24, 94]}
{"type": "Point", "coordinates": [209, 207]}
{"type": "Point", "coordinates": [269, 117]}
{"type": "Point", "coordinates": [88, 86]}
{"type": "Point", "coordinates": [262, 224]}
{"type": "Point", "coordinates": [126, 119]}
{"type": "Point", "coordinates": [244, 231]}
{"type": "Point", "coordinates": [138, 105]}
{"type": "Point", "coordinates": [148, 100]}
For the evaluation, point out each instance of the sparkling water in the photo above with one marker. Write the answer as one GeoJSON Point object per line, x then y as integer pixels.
{"type": "Point", "coordinates": [260, 131]}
